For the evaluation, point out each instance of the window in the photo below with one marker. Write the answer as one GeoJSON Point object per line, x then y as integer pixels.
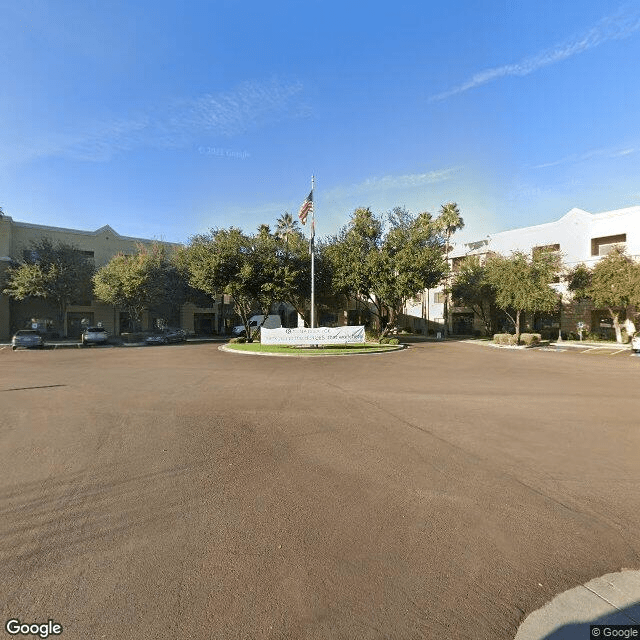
{"type": "Point", "coordinates": [456, 263]}
{"type": "Point", "coordinates": [547, 247]}
{"type": "Point", "coordinates": [439, 298]}
{"type": "Point", "coordinates": [603, 246]}
{"type": "Point", "coordinates": [31, 256]}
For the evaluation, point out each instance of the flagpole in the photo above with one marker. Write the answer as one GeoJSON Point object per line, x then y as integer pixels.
{"type": "Point", "coordinates": [313, 232]}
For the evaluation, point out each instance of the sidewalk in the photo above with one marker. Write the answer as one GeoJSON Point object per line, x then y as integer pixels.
{"type": "Point", "coordinates": [74, 343]}
{"type": "Point", "coordinates": [612, 599]}
{"type": "Point", "coordinates": [563, 344]}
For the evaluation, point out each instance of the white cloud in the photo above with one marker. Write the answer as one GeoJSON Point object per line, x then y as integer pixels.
{"type": "Point", "coordinates": [615, 27]}
{"type": "Point", "coordinates": [230, 113]}
{"type": "Point", "coordinates": [587, 155]}
{"type": "Point", "coordinates": [388, 183]}
{"type": "Point", "coordinates": [247, 106]}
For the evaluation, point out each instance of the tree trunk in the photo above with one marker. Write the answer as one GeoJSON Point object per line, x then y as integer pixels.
{"type": "Point", "coordinates": [629, 324]}
{"type": "Point", "coordinates": [518, 326]}
{"type": "Point", "coordinates": [616, 325]}
{"type": "Point", "coordinates": [63, 319]}
{"type": "Point", "coordinates": [393, 321]}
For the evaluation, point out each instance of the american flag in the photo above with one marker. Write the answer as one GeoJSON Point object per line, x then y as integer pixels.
{"type": "Point", "coordinates": [306, 208]}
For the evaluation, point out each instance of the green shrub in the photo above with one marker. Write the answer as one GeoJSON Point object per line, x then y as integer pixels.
{"type": "Point", "coordinates": [504, 338]}
{"type": "Point", "coordinates": [241, 340]}
{"type": "Point", "coordinates": [529, 339]}
{"type": "Point", "coordinates": [384, 340]}
{"type": "Point", "coordinates": [394, 341]}
{"type": "Point", "coordinates": [371, 336]}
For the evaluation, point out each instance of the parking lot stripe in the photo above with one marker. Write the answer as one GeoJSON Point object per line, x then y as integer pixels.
{"type": "Point", "coordinates": [619, 351]}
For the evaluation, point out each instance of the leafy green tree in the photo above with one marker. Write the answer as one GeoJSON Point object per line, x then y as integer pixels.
{"type": "Point", "coordinates": [134, 282]}
{"type": "Point", "coordinates": [295, 263]}
{"type": "Point", "coordinates": [613, 284]}
{"type": "Point", "coordinates": [174, 292]}
{"type": "Point", "coordinates": [59, 273]}
{"type": "Point", "coordinates": [522, 283]}
{"type": "Point", "coordinates": [349, 254]}
{"type": "Point", "coordinates": [386, 261]}
{"type": "Point", "coordinates": [471, 289]}
{"type": "Point", "coordinates": [246, 267]}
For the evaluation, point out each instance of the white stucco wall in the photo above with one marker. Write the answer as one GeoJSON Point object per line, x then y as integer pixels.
{"type": "Point", "coordinates": [574, 232]}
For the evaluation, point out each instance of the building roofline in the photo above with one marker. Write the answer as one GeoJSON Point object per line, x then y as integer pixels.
{"type": "Point", "coordinates": [104, 229]}
{"type": "Point", "coordinates": [572, 213]}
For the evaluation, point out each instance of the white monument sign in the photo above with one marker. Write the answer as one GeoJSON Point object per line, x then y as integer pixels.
{"type": "Point", "coordinates": [319, 335]}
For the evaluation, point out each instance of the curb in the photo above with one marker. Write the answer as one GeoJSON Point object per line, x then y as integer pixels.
{"type": "Point", "coordinates": [224, 347]}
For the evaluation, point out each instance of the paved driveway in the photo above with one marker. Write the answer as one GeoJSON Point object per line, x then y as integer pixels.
{"type": "Point", "coordinates": [445, 491]}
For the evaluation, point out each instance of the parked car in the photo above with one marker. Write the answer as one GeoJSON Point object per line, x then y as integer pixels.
{"type": "Point", "coordinates": [635, 342]}
{"type": "Point", "coordinates": [94, 335]}
{"type": "Point", "coordinates": [270, 322]}
{"type": "Point", "coordinates": [27, 338]}
{"type": "Point", "coordinates": [166, 336]}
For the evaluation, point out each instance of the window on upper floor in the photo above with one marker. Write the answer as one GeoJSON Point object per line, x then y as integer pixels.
{"type": "Point", "coordinates": [439, 297]}
{"type": "Point", "coordinates": [456, 263]}
{"type": "Point", "coordinates": [603, 246]}
{"type": "Point", "coordinates": [545, 247]}
{"type": "Point", "coordinates": [30, 255]}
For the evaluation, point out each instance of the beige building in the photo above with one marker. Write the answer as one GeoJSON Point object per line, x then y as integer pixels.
{"type": "Point", "coordinates": [100, 245]}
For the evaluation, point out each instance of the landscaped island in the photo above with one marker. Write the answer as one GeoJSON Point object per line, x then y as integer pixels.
{"type": "Point", "coordinates": [325, 350]}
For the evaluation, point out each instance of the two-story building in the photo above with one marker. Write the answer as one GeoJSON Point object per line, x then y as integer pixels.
{"type": "Point", "coordinates": [100, 246]}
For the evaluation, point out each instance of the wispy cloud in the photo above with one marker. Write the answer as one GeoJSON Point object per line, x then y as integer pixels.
{"type": "Point", "coordinates": [246, 106]}
{"type": "Point", "coordinates": [615, 27]}
{"type": "Point", "coordinates": [391, 182]}
{"type": "Point", "coordinates": [588, 155]}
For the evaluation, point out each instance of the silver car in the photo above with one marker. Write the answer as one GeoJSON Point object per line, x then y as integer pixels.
{"type": "Point", "coordinates": [94, 335]}
{"type": "Point", "coordinates": [27, 338]}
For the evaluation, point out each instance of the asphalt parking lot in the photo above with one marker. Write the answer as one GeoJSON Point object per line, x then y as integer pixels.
{"type": "Point", "coordinates": [444, 491]}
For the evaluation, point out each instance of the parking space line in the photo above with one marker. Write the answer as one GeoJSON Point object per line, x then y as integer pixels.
{"type": "Point", "coordinates": [619, 351]}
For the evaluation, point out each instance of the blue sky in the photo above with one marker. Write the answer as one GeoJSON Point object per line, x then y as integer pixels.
{"type": "Point", "coordinates": [165, 119]}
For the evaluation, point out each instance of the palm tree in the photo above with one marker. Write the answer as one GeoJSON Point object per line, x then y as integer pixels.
{"type": "Point", "coordinates": [450, 221]}
{"type": "Point", "coordinates": [286, 227]}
